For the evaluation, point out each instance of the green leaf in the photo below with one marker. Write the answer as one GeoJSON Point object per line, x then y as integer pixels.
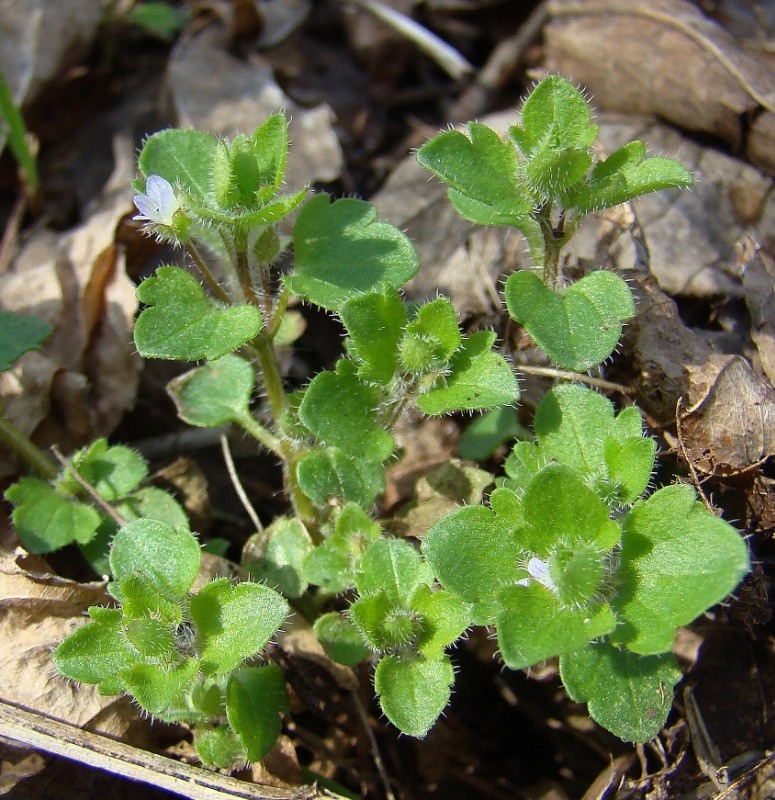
{"type": "Point", "coordinates": [444, 618]}
{"type": "Point", "coordinates": [677, 560]}
{"type": "Point", "coordinates": [279, 564]}
{"type": "Point", "coordinates": [578, 327]}
{"type": "Point", "coordinates": [159, 19]}
{"type": "Point", "coordinates": [341, 639]}
{"type": "Point", "coordinates": [255, 698]}
{"type": "Point", "coordinates": [488, 432]}
{"type": "Point", "coordinates": [437, 321]}
{"type": "Point", "coordinates": [234, 622]}
{"type": "Point", "coordinates": [182, 323]}
{"type": "Point", "coordinates": [97, 652]}
{"type": "Point", "coordinates": [46, 521]}
{"type": "Point", "coordinates": [141, 600]}
{"type": "Point", "coordinates": [152, 638]}
{"type": "Point", "coordinates": [150, 502]}
{"type": "Point", "coordinates": [183, 158]}
{"type": "Point", "coordinates": [559, 508]}
{"type": "Point", "coordinates": [478, 378]}
{"type": "Point", "coordinates": [555, 115]}
{"type": "Point", "coordinates": [168, 558]}
{"type": "Point", "coordinates": [270, 151]}
{"type": "Point", "coordinates": [413, 693]}
{"type": "Point", "coordinates": [20, 333]}
{"type": "Point", "coordinates": [394, 566]}
{"type": "Point", "coordinates": [340, 410]}
{"type": "Point", "coordinates": [326, 472]}
{"type": "Point", "coordinates": [552, 171]}
{"type": "Point", "coordinates": [375, 323]}
{"type": "Point", "coordinates": [534, 626]}
{"type": "Point", "coordinates": [342, 251]}
{"type": "Point", "coordinates": [630, 695]}
{"type": "Point", "coordinates": [576, 426]}
{"type": "Point", "coordinates": [114, 471]}
{"type": "Point", "coordinates": [155, 687]}
{"type": "Point", "coordinates": [214, 394]}
{"type": "Point", "coordinates": [330, 567]}
{"type": "Point", "coordinates": [482, 173]}
{"type": "Point", "coordinates": [382, 624]}
{"type": "Point", "coordinates": [626, 174]}
{"type": "Point", "coordinates": [219, 747]}
{"type": "Point", "coordinates": [473, 553]}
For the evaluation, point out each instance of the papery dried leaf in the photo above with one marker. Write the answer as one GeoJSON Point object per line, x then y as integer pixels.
{"type": "Point", "coordinates": [663, 57]}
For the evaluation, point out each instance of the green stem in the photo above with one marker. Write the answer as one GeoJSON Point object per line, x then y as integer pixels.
{"type": "Point", "coordinates": [24, 447]}
{"type": "Point", "coordinates": [261, 434]}
{"type": "Point", "coordinates": [280, 309]}
{"type": "Point", "coordinates": [215, 287]}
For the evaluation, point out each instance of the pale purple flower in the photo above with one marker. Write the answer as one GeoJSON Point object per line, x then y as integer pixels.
{"type": "Point", "coordinates": [539, 571]}
{"type": "Point", "coordinates": [159, 203]}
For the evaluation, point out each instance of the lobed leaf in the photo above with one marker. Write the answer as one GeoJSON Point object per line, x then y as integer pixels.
{"type": "Point", "coordinates": [395, 567]}
{"type": "Point", "coordinates": [279, 563]}
{"type": "Point", "coordinates": [45, 521]}
{"type": "Point", "coordinates": [184, 158]}
{"type": "Point", "coordinates": [628, 694]}
{"type": "Point", "coordinates": [482, 173]}
{"type": "Point", "coordinates": [677, 560]}
{"type": "Point", "coordinates": [114, 471]}
{"type": "Point", "coordinates": [340, 410]}
{"type": "Point", "coordinates": [533, 625]}
{"type": "Point", "coordinates": [626, 174]}
{"type": "Point", "coordinates": [182, 323]}
{"type": "Point", "coordinates": [167, 558]}
{"type": "Point", "coordinates": [341, 251]}
{"type": "Point", "coordinates": [578, 327]}
{"type": "Point", "coordinates": [341, 639]}
{"type": "Point", "coordinates": [329, 472]}
{"type": "Point", "coordinates": [478, 378]}
{"type": "Point", "coordinates": [375, 322]}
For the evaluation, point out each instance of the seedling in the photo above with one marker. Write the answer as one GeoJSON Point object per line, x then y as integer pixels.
{"type": "Point", "coordinates": [572, 554]}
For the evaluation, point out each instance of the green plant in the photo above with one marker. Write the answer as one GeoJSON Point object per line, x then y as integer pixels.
{"type": "Point", "coordinates": [571, 556]}
{"type": "Point", "coordinates": [15, 130]}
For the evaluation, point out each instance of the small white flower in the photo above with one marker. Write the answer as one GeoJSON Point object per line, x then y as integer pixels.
{"type": "Point", "coordinates": [539, 571]}
{"type": "Point", "coordinates": [159, 203]}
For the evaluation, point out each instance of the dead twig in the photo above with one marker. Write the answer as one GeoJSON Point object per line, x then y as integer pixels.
{"type": "Point", "coordinates": [69, 741]}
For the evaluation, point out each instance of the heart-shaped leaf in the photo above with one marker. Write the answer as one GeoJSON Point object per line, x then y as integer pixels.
{"type": "Point", "coordinates": [482, 172]}
{"type": "Point", "coordinates": [628, 694]}
{"type": "Point", "coordinates": [341, 250]}
{"type": "Point", "coordinates": [578, 327]}
{"type": "Point", "coordinates": [395, 567]}
{"type": "Point", "coordinates": [677, 560]}
{"type": "Point", "coordinates": [46, 521]}
{"type": "Point", "coordinates": [182, 323]}
{"type": "Point", "coordinates": [413, 692]}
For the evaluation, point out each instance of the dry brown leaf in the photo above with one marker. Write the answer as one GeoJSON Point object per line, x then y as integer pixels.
{"type": "Point", "coordinates": [85, 376]}
{"type": "Point", "coordinates": [730, 426]}
{"type": "Point", "coordinates": [37, 611]}
{"type": "Point", "coordinates": [212, 91]}
{"type": "Point", "coordinates": [664, 57]}
{"type": "Point", "coordinates": [39, 40]}
{"type": "Point", "coordinates": [759, 288]}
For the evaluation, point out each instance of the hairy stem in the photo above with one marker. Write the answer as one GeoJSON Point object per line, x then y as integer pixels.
{"type": "Point", "coordinates": [25, 448]}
